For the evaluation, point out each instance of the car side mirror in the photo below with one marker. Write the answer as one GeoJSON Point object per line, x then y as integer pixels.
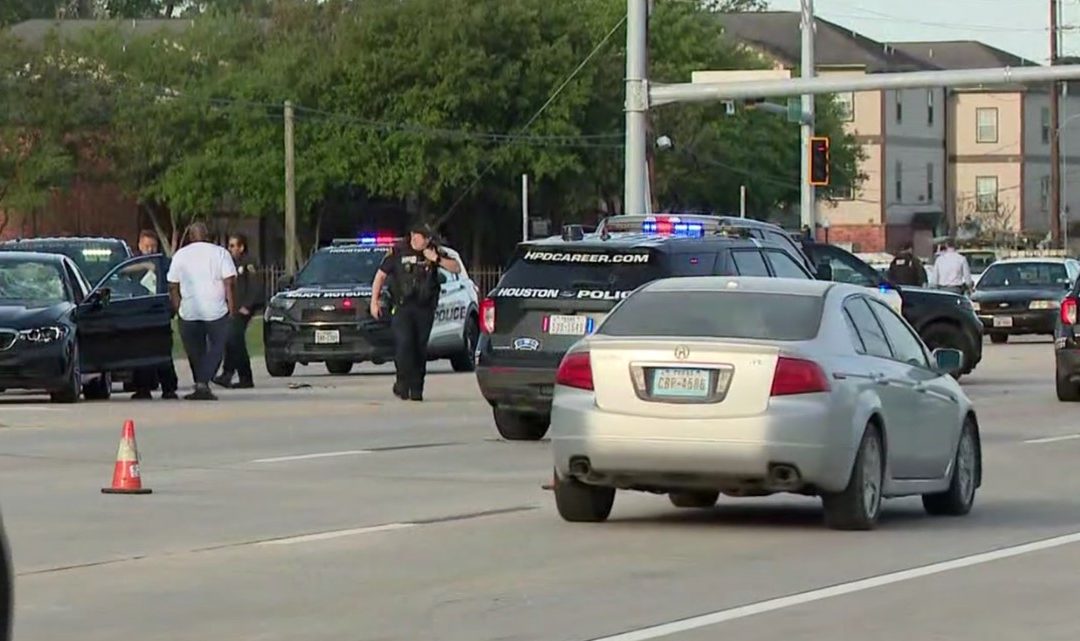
{"type": "Point", "coordinates": [824, 272]}
{"type": "Point", "coordinates": [285, 283]}
{"type": "Point", "coordinates": [948, 361]}
{"type": "Point", "coordinates": [98, 298]}
{"type": "Point", "coordinates": [442, 278]}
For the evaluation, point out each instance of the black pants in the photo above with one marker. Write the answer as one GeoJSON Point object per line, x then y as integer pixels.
{"type": "Point", "coordinates": [237, 359]}
{"type": "Point", "coordinates": [146, 379]}
{"type": "Point", "coordinates": [204, 342]}
{"type": "Point", "coordinates": [411, 325]}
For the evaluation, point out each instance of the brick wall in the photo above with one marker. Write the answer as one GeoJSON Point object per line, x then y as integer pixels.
{"type": "Point", "coordinates": [863, 238]}
{"type": "Point", "coordinates": [88, 209]}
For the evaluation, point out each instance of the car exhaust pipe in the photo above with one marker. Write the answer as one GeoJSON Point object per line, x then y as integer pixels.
{"type": "Point", "coordinates": [580, 467]}
{"type": "Point", "coordinates": [784, 477]}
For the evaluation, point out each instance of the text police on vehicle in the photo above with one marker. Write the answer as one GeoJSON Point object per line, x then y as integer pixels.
{"type": "Point", "coordinates": [323, 315]}
{"type": "Point", "coordinates": [558, 290]}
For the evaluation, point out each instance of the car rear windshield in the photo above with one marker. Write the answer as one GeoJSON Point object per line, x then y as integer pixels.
{"type": "Point", "coordinates": [348, 266]}
{"type": "Point", "coordinates": [95, 259]}
{"type": "Point", "coordinates": [31, 282]}
{"type": "Point", "coordinates": [979, 261]}
{"type": "Point", "coordinates": [581, 269]}
{"type": "Point", "coordinates": [1025, 276]}
{"type": "Point", "coordinates": [713, 314]}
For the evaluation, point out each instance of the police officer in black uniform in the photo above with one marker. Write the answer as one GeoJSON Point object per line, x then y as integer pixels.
{"type": "Point", "coordinates": [413, 271]}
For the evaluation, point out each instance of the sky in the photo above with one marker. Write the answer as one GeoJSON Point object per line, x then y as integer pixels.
{"type": "Point", "coordinates": [1017, 26]}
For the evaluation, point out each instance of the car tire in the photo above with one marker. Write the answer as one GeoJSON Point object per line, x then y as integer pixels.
{"type": "Point", "coordinates": [967, 468]}
{"type": "Point", "coordinates": [72, 390]}
{"type": "Point", "coordinates": [99, 389]}
{"type": "Point", "coordinates": [1067, 391]}
{"type": "Point", "coordinates": [280, 369]}
{"type": "Point", "coordinates": [698, 499]}
{"type": "Point", "coordinates": [998, 338]}
{"type": "Point", "coordinates": [520, 426]}
{"type": "Point", "coordinates": [338, 368]}
{"type": "Point", "coordinates": [465, 360]}
{"type": "Point", "coordinates": [943, 335]}
{"type": "Point", "coordinates": [858, 506]}
{"type": "Point", "coordinates": [579, 502]}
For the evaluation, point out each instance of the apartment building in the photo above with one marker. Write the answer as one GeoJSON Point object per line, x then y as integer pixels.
{"type": "Point", "coordinates": [998, 141]}
{"type": "Point", "coordinates": [902, 133]}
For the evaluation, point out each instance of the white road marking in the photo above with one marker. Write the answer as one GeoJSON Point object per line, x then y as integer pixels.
{"type": "Point", "coordinates": [304, 457]}
{"type": "Point", "coordinates": [722, 616]}
{"type": "Point", "coordinates": [1053, 439]}
{"type": "Point", "coordinates": [337, 534]}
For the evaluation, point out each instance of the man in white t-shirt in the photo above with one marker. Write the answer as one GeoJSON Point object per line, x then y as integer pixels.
{"type": "Point", "coordinates": [202, 278]}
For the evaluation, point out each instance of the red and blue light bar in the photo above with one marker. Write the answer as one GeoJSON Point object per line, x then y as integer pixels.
{"type": "Point", "coordinates": [672, 226]}
{"type": "Point", "coordinates": [377, 240]}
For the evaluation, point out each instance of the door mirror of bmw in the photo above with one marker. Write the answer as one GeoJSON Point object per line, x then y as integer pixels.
{"type": "Point", "coordinates": [948, 361]}
{"type": "Point", "coordinates": [824, 271]}
{"type": "Point", "coordinates": [285, 283]}
{"type": "Point", "coordinates": [98, 298]}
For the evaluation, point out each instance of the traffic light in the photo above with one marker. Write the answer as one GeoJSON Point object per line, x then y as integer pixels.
{"type": "Point", "coordinates": [819, 161]}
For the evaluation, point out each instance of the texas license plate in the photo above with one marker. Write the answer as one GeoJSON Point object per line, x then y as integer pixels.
{"type": "Point", "coordinates": [327, 337]}
{"type": "Point", "coordinates": [1003, 321]}
{"type": "Point", "coordinates": [681, 383]}
{"type": "Point", "coordinates": [567, 325]}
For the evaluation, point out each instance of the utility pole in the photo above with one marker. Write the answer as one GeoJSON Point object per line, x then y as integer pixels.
{"type": "Point", "coordinates": [524, 207]}
{"type": "Point", "coordinates": [637, 106]}
{"type": "Point", "coordinates": [1055, 143]}
{"type": "Point", "coordinates": [291, 261]}
{"type": "Point", "coordinates": [807, 213]}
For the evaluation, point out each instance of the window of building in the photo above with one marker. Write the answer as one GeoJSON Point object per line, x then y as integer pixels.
{"type": "Point", "coordinates": [929, 106]}
{"type": "Point", "coordinates": [986, 193]}
{"type": "Point", "coordinates": [899, 106]}
{"type": "Point", "coordinates": [929, 182]}
{"type": "Point", "coordinates": [845, 102]}
{"type": "Point", "coordinates": [1045, 113]}
{"type": "Point", "coordinates": [899, 181]}
{"type": "Point", "coordinates": [1044, 193]}
{"type": "Point", "coordinates": [986, 124]}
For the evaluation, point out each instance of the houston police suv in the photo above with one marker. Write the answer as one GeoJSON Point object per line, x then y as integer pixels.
{"type": "Point", "coordinates": [322, 314]}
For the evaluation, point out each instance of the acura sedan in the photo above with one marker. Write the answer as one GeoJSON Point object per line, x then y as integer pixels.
{"type": "Point", "coordinates": [747, 386]}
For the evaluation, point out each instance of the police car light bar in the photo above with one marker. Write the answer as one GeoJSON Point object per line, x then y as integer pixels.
{"type": "Point", "coordinates": [672, 226]}
{"type": "Point", "coordinates": [366, 240]}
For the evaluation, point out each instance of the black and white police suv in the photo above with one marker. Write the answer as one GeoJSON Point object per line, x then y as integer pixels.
{"type": "Point", "coordinates": [322, 315]}
{"type": "Point", "coordinates": [557, 290]}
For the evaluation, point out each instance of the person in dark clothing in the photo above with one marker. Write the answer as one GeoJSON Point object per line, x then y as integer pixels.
{"type": "Point", "coordinates": [7, 588]}
{"type": "Point", "coordinates": [249, 296]}
{"type": "Point", "coordinates": [907, 269]}
{"type": "Point", "coordinates": [147, 379]}
{"type": "Point", "coordinates": [413, 273]}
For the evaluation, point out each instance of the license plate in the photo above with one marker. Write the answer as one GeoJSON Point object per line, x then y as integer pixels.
{"type": "Point", "coordinates": [1003, 321]}
{"type": "Point", "coordinates": [567, 325]}
{"type": "Point", "coordinates": [327, 337]}
{"type": "Point", "coordinates": [681, 383]}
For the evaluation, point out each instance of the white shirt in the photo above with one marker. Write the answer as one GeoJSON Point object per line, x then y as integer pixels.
{"type": "Point", "coordinates": [201, 269]}
{"type": "Point", "coordinates": [951, 269]}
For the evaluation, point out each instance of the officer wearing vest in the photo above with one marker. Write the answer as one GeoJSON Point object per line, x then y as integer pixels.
{"type": "Point", "coordinates": [413, 272]}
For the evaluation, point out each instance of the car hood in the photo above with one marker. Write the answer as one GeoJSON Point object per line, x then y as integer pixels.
{"type": "Point", "coordinates": [26, 317]}
{"type": "Point", "coordinates": [1014, 295]}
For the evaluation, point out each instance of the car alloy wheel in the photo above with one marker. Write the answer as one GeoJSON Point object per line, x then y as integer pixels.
{"type": "Point", "coordinates": [871, 478]}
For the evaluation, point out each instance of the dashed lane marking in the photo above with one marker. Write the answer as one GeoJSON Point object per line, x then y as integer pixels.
{"type": "Point", "coordinates": [1052, 439]}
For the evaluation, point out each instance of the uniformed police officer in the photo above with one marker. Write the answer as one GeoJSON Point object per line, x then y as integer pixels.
{"type": "Point", "coordinates": [413, 271]}
{"type": "Point", "coordinates": [907, 269]}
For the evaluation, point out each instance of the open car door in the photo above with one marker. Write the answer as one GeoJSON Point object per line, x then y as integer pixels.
{"type": "Point", "coordinates": [126, 321]}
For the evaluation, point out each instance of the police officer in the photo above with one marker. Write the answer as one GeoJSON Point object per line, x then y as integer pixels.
{"type": "Point", "coordinates": [249, 296]}
{"type": "Point", "coordinates": [907, 269]}
{"type": "Point", "coordinates": [413, 271]}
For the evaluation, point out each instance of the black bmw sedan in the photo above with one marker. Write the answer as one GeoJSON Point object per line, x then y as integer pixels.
{"type": "Point", "coordinates": [60, 336]}
{"type": "Point", "coordinates": [1023, 295]}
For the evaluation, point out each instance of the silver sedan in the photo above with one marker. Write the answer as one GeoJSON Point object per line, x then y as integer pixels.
{"type": "Point", "coordinates": [752, 386]}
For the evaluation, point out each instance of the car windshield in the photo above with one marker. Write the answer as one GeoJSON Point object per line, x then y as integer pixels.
{"type": "Point", "coordinates": [712, 314]}
{"type": "Point", "coordinates": [979, 261]}
{"type": "Point", "coordinates": [349, 266]}
{"type": "Point", "coordinates": [1034, 275]}
{"type": "Point", "coordinates": [95, 259]}
{"type": "Point", "coordinates": [31, 282]}
{"type": "Point", "coordinates": [611, 270]}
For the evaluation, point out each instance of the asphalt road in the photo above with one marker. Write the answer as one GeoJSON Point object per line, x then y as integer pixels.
{"type": "Point", "coordinates": [337, 513]}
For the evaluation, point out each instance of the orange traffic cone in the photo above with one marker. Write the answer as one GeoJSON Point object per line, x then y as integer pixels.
{"type": "Point", "coordinates": [126, 479]}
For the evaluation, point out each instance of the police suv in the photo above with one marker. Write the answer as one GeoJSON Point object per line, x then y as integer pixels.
{"type": "Point", "coordinates": [557, 290]}
{"type": "Point", "coordinates": [322, 315]}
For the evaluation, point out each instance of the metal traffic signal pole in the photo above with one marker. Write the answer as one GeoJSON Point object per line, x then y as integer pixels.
{"type": "Point", "coordinates": [640, 96]}
{"type": "Point", "coordinates": [807, 205]}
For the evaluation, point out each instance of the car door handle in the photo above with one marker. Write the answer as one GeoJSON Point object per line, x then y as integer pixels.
{"type": "Point", "coordinates": [921, 388]}
{"type": "Point", "coordinates": [879, 378]}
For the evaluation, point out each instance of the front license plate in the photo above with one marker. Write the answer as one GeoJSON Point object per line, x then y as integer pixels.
{"type": "Point", "coordinates": [681, 383]}
{"type": "Point", "coordinates": [567, 325]}
{"type": "Point", "coordinates": [1003, 321]}
{"type": "Point", "coordinates": [327, 337]}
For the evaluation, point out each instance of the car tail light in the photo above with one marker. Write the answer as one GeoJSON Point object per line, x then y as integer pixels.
{"type": "Point", "coordinates": [575, 370]}
{"type": "Point", "coordinates": [798, 376]}
{"type": "Point", "coordinates": [487, 316]}
{"type": "Point", "coordinates": [1068, 310]}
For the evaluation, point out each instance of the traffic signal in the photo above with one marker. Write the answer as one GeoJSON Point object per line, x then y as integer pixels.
{"type": "Point", "coordinates": [819, 161]}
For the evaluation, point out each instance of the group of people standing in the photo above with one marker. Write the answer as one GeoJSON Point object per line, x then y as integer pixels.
{"type": "Point", "coordinates": [215, 291]}
{"type": "Point", "coordinates": [951, 269]}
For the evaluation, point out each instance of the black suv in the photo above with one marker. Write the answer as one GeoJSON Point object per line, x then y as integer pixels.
{"type": "Point", "coordinates": [943, 319]}
{"type": "Point", "coordinates": [557, 290]}
{"type": "Point", "coordinates": [1067, 348]}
